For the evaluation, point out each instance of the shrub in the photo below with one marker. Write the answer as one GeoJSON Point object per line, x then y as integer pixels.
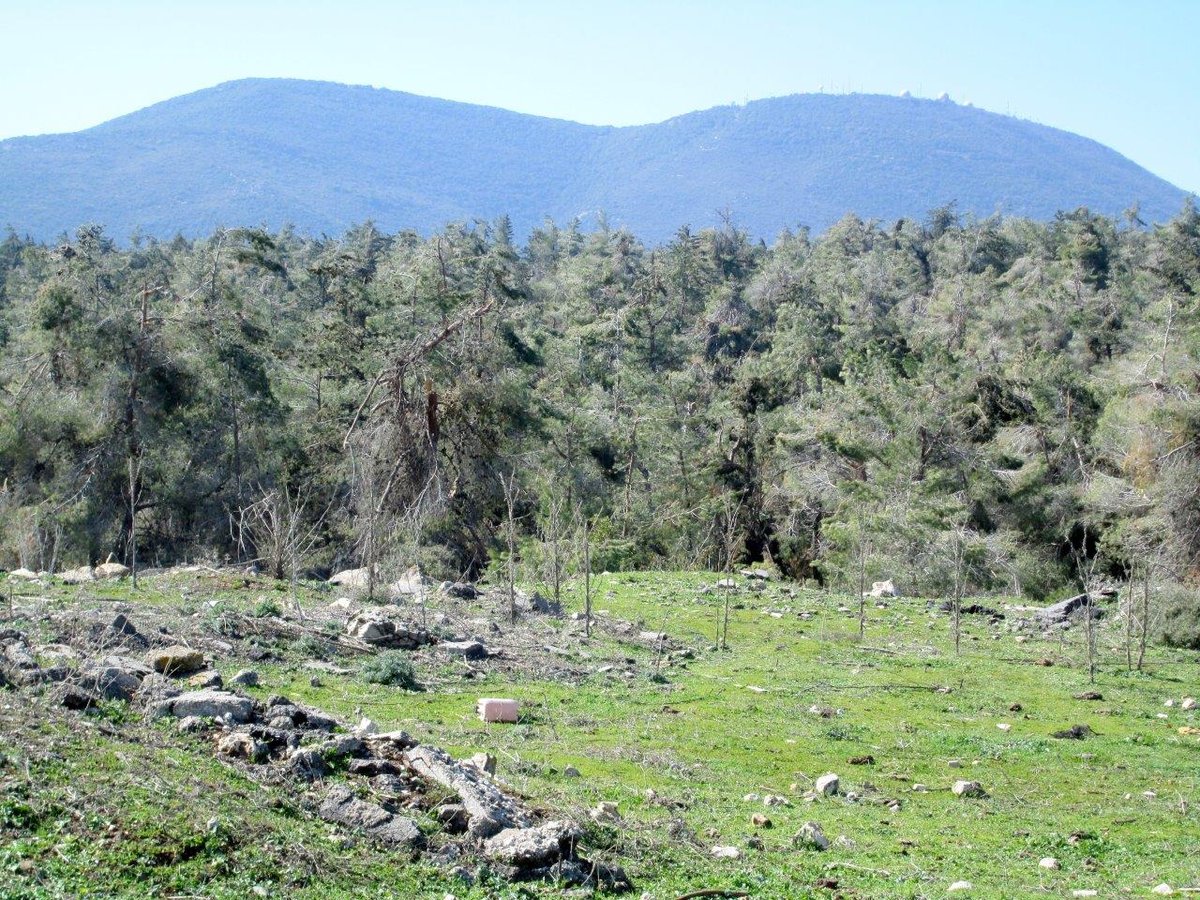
{"type": "Point", "coordinates": [393, 668]}
{"type": "Point", "coordinates": [267, 609]}
{"type": "Point", "coordinates": [1181, 619]}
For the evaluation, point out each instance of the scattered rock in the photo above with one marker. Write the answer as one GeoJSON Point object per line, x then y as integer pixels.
{"type": "Point", "coordinates": [720, 852]}
{"type": "Point", "coordinates": [373, 627]}
{"type": "Point", "coordinates": [484, 762]}
{"type": "Point", "coordinates": [758, 820]}
{"type": "Point", "coordinates": [206, 680]}
{"type": "Point", "coordinates": [73, 697]}
{"type": "Point", "coordinates": [175, 660]}
{"type": "Point", "coordinates": [490, 810]}
{"type": "Point", "coordinates": [532, 847]}
{"type": "Point", "coordinates": [571, 772]}
{"type": "Point", "coordinates": [78, 576]}
{"type": "Point", "coordinates": [1189, 703]}
{"type": "Point", "coordinates": [865, 760]}
{"type": "Point", "coordinates": [811, 836]}
{"type": "Point", "coordinates": [190, 725]}
{"type": "Point", "coordinates": [245, 678]}
{"type": "Point", "coordinates": [1085, 892]}
{"type": "Point", "coordinates": [827, 784]}
{"type": "Point", "coordinates": [1089, 695]}
{"type": "Point", "coordinates": [110, 569]}
{"type": "Point", "coordinates": [1048, 862]}
{"type": "Point", "coordinates": [1004, 726]}
{"type": "Point", "coordinates": [954, 763]}
{"type": "Point", "coordinates": [307, 763]}
{"type": "Point", "coordinates": [109, 682]}
{"type": "Point", "coordinates": [351, 578]}
{"type": "Point", "coordinates": [968, 789]}
{"type": "Point", "coordinates": [1163, 890]}
{"type": "Point", "coordinates": [23, 574]}
{"type": "Point", "coordinates": [123, 626]}
{"type": "Point", "coordinates": [460, 590]}
{"type": "Point", "coordinates": [206, 704]}
{"type": "Point", "coordinates": [343, 808]}
{"type": "Point", "coordinates": [960, 886]}
{"type": "Point", "coordinates": [883, 589]}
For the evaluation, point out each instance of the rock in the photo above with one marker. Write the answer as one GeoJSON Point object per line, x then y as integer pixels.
{"type": "Point", "coordinates": [245, 678]}
{"type": "Point", "coordinates": [190, 725]}
{"type": "Point", "coordinates": [410, 583]}
{"type": "Point", "coordinates": [343, 808]}
{"type": "Point", "coordinates": [307, 763]}
{"type": "Point", "coordinates": [351, 578]}
{"type": "Point", "coordinates": [1048, 862]}
{"type": "Point", "coordinates": [535, 603]}
{"type": "Point", "coordinates": [954, 763]}
{"type": "Point", "coordinates": [775, 800]}
{"type": "Point", "coordinates": [968, 789]}
{"type": "Point", "coordinates": [1189, 703]}
{"type": "Point", "coordinates": [341, 604]}
{"type": "Point", "coordinates": [240, 745]}
{"type": "Point", "coordinates": [372, 768]}
{"type": "Point", "coordinates": [811, 836]}
{"type": "Point", "coordinates": [1163, 890]}
{"type": "Point", "coordinates": [919, 788]}
{"type": "Point", "coordinates": [605, 811]}
{"type": "Point", "coordinates": [727, 584]}
{"type": "Point", "coordinates": [758, 820]}
{"type": "Point", "coordinates": [1060, 612]}
{"type": "Point", "coordinates": [78, 576]}
{"type": "Point", "coordinates": [366, 727]}
{"type": "Point", "coordinates": [1089, 695]}
{"type": "Point", "coordinates": [208, 705]}
{"type": "Point", "coordinates": [883, 589]}
{"type": "Point", "coordinates": [73, 697]}
{"type": "Point", "coordinates": [484, 762]}
{"type": "Point", "coordinates": [23, 574]}
{"type": "Point", "coordinates": [110, 570]}
{"type": "Point", "coordinates": [827, 784]}
{"type": "Point", "coordinates": [175, 660]}
{"type": "Point", "coordinates": [496, 709]}
{"type": "Point", "coordinates": [210, 679]}
{"type": "Point", "coordinates": [460, 590]}
{"type": "Point", "coordinates": [1004, 726]}
{"type": "Point", "coordinates": [960, 886]}
{"type": "Point", "coordinates": [571, 772]}
{"type": "Point", "coordinates": [109, 682]}
{"type": "Point", "coordinates": [373, 627]}
{"type": "Point", "coordinates": [1085, 892]}
{"type": "Point", "coordinates": [652, 637]}
{"type": "Point", "coordinates": [726, 853]}
{"type": "Point", "coordinates": [471, 650]}
{"type": "Point", "coordinates": [156, 688]}
{"type": "Point", "coordinates": [532, 847]}
{"type": "Point", "coordinates": [490, 810]}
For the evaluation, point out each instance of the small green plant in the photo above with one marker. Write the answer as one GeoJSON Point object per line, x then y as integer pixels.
{"type": "Point", "coordinates": [267, 609]}
{"type": "Point", "coordinates": [392, 668]}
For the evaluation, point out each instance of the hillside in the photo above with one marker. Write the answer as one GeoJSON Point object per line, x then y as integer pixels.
{"type": "Point", "coordinates": [325, 156]}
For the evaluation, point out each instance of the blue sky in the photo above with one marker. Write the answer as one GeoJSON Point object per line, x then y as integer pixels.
{"type": "Point", "coordinates": [1124, 73]}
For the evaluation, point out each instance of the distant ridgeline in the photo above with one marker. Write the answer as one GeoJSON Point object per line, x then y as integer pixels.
{"type": "Point", "coordinates": [324, 157]}
{"type": "Point", "coordinates": [999, 403]}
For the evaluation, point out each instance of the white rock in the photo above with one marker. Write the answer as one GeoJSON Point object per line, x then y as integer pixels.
{"type": "Point", "coordinates": [811, 835]}
{"type": "Point", "coordinates": [968, 789]}
{"type": "Point", "coordinates": [1004, 726]}
{"type": "Point", "coordinates": [1085, 892]}
{"type": "Point", "coordinates": [23, 574]}
{"type": "Point", "coordinates": [827, 784]}
{"type": "Point", "coordinates": [367, 726]}
{"type": "Point", "coordinates": [919, 788]}
{"type": "Point", "coordinates": [1188, 703]}
{"type": "Point", "coordinates": [1163, 890]}
{"type": "Point", "coordinates": [1168, 703]}
{"type": "Point", "coordinates": [955, 764]}
{"type": "Point", "coordinates": [1048, 862]}
{"type": "Point", "coordinates": [960, 886]}
{"type": "Point", "coordinates": [606, 811]}
{"type": "Point", "coordinates": [726, 852]}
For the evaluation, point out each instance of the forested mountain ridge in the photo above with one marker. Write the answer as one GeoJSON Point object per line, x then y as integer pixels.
{"type": "Point", "coordinates": [324, 157]}
{"type": "Point", "coordinates": [1004, 402]}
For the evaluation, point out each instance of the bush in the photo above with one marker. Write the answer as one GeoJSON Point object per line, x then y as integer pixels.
{"type": "Point", "coordinates": [1181, 619]}
{"type": "Point", "coordinates": [267, 609]}
{"type": "Point", "coordinates": [393, 668]}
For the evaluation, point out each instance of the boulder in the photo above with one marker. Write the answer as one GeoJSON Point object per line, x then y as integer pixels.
{"type": "Point", "coordinates": [240, 745]}
{"type": "Point", "coordinates": [81, 575]}
{"type": "Point", "coordinates": [828, 784]}
{"type": "Point", "coordinates": [536, 604]}
{"type": "Point", "coordinates": [207, 705]}
{"type": "Point", "coordinates": [409, 584]}
{"type": "Point", "coordinates": [74, 697]}
{"type": "Point", "coordinates": [123, 626]}
{"type": "Point", "coordinates": [208, 679]}
{"type": "Point", "coordinates": [343, 808]}
{"type": "Point", "coordinates": [490, 809]}
{"type": "Point", "coordinates": [883, 589]}
{"type": "Point", "coordinates": [968, 789]}
{"type": "Point", "coordinates": [1188, 704]}
{"type": "Point", "coordinates": [351, 578]}
{"type": "Point", "coordinates": [245, 678]}
{"type": "Point", "coordinates": [307, 763]}
{"type": "Point", "coordinates": [1058, 613]}
{"type": "Point", "coordinates": [373, 627]}
{"type": "Point", "coordinates": [23, 574]}
{"type": "Point", "coordinates": [532, 848]}
{"type": "Point", "coordinates": [110, 569]}
{"type": "Point", "coordinates": [109, 682]}
{"type": "Point", "coordinates": [175, 660]}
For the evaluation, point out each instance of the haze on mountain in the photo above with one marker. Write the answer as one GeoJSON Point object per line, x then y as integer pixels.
{"type": "Point", "coordinates": [324, 156]}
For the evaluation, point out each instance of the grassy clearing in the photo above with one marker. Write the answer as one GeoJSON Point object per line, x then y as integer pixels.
{"type": "Point", "coordinates": [679, 744]}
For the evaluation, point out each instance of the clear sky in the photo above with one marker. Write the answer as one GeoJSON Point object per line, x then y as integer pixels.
{"type": "Point", "coordinates": [1124, 73]}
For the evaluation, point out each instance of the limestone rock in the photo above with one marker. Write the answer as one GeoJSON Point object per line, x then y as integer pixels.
{"type": "Point", "coordinates": [960, 886]}
{"type": "Point", "coordinates": [726, 852]}
{"type": "Point", "coordinates": [1048, 862]}
{"type": "Point", "coordinates": [490, 810]}
{"type": "Point", "coordinates": [208, 705]}
{"type": "Point", "coordinates": [533, 847]}
{"type": "Point", "coordinates": [828, 784]}
{"type": "Point", "coordinates": [81, 575]}
{"type": "Point", "coordinates": [343, 808]}
{"type": "Point", "coordinates": [245, 678]}
{"type": "Point", "coordinates": [351, 578]}
{"type": "Point", "coordinates": [883, 589]}
{"type": "Point", "coordinates": [810, 835]}
{"type": "Point", "coordinates": [968, 789]}
{"type": "Point", "coordinates": [111, 570]}
{"type": "Point", "coordinates": [242, 746]}
{"type": "Point", "coordinates": [1189, 703]}
{"type": "Point", "coordinates": [109, 682]}
{"type": "Point", "coordinates": [470, 650]}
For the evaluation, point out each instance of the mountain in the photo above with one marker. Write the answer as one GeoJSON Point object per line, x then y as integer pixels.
{"type": "Point", "coordinates": [324, 156]}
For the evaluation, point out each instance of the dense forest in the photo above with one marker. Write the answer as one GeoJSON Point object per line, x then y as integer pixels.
{"type": "Point", "coordinates": [995, 405]}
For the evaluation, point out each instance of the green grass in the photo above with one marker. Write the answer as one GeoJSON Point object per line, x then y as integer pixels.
{"type": "Point", "coordinates": [678, 754]}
